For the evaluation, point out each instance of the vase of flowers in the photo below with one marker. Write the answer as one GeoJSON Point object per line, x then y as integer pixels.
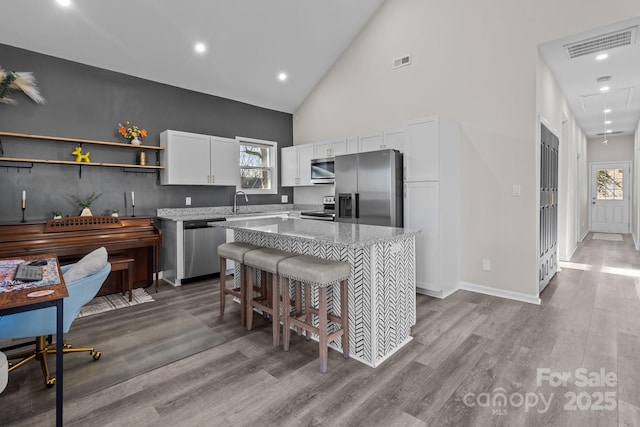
{"type": "Point", "coordinates": [115, 212]}
{"type": "Point", "coordinates": [132, 132]}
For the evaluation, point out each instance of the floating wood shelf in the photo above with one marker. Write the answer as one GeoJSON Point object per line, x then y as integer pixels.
{"type": "Point", "coordinates": [80, 141]}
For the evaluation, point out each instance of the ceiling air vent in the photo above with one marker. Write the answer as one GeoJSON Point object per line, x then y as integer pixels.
{"type": "Point", "coordinates": [617, 132]}
{"type": "Point", "coordinates": [600, 43]}
{"type": "Point", "coordinates": [401, 62]}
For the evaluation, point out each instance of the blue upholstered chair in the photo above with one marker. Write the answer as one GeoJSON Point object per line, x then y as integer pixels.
{"type": "Point", "coordinates": [42, 323]}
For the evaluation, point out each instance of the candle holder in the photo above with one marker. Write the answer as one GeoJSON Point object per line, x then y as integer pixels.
{"type": "Point", "coordinates": [23, 209]}
{"type": "Point", "coordinates": [133, 210]}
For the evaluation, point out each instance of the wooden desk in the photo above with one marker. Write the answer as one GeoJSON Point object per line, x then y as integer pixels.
{"type": "Point", "coordinates": [18, 301]}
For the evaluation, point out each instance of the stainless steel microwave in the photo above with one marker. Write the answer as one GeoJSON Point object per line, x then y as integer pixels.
{"type": "Point", "coordinates": [322, 171]}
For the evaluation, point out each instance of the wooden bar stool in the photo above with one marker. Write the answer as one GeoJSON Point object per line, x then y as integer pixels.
{"type": "Point", "coordinates": [124, 264]}
{"type": "Point", "coordinates": [309, 271]}
{"type": "Point", "coordinates": [235, 251]}
{"type": "Point", "coordinates": [266, 260]}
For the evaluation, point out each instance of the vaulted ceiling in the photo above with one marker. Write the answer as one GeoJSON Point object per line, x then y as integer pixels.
{"type": "Point", "coordinates": [248, 42]}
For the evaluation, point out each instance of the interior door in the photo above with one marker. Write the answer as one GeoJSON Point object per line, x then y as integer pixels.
{"type": "Point", "coordinates": [548, 263]}
{"type": "Point", "coordinates": [610, 196]}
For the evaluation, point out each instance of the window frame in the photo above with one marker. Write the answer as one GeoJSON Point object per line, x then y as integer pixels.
{"type": "Point", "coordinates": [273, 167]}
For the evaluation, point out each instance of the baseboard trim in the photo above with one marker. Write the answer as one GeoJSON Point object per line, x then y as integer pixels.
{"type": "Point", "coordinates": [584, 235]}
{"type": "Point", "coordinates": [517, 296]}
{"type": "Point", "coordinates": [430, 293]}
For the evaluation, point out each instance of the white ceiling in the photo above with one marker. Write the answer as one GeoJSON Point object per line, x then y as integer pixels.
{"type": "Point", "coordinates": [578, 80]}
{"type": "Point", "coordinates": [249, 41]}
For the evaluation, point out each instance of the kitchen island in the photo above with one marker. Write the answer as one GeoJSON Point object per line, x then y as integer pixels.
{"type": "Point", "coordinates": [382, 298]}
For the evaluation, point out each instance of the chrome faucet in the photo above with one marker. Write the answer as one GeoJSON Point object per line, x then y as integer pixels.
{"type": "Point", "coordinates": [235, 200]}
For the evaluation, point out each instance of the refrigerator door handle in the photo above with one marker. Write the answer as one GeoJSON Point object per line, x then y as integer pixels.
{"type": "Point", "coordinates": [357, 201]}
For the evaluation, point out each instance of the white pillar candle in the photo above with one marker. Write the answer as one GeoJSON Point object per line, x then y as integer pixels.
{"type": "Point", "coordinates": [24, 199]}
{"type": "Point", "coordinates": [133, 199]}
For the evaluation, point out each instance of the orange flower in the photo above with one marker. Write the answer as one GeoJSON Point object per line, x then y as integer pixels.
{"type": "Point", "coordinates": [122, 131]}
{"type": "Point", "coordinates": [143, 133]}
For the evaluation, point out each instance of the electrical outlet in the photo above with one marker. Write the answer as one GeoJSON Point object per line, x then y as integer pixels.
{"type": "Point", "coordinates": [516, 190]}
{"type": "Point", "coordinates": [187, 201]}
{"type": "Point", "coordinates": [285, 198]}
{"type": "Point", "coordinates": [486, 265]}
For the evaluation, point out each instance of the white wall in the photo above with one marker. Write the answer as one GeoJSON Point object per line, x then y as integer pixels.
{"type": "Point", "coordinates": [618, 149]}
{"type": "Point", "coordinates": [635, 201]}
{"type": "Point", "coordinates": [554, 109]}
{"type": "Point", "coordinates": [475, 62]}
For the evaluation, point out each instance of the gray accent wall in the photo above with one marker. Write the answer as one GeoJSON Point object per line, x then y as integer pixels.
{"type": "Point", "coordinates": [88, 103]}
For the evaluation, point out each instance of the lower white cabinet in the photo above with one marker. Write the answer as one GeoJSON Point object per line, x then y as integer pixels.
{"type": "Point", "coordinates": [196, 159]}
{"type": "Point", "coordinates": [421, 212]}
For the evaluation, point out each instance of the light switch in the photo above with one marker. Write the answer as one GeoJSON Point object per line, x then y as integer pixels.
{"type": "Point", "coordinates": [516, 190]}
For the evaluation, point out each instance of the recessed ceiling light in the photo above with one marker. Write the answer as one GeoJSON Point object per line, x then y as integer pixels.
{"type": "Point", "coordinates": [282, 77]}
{"type": "Point", "coordinates": [607, 110]}
{"type": "Point", "coordinates": [65, 3]}
{"type": "Point", "coordinates": [609, 131]}
{"type": "Point", "coordinates": [200, 48]}
{"type": "Point", "coordinates": [607, 122]}
{"type": "Point", "coordinates": [602, 56]}
{"type": "Point", "coordinates": [604, 88]}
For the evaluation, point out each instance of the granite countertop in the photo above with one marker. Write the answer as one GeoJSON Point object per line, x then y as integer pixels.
{"type": "Point", "coordinates": [184, 214]}
{"type": "Point", "coordinates": [331, 232]}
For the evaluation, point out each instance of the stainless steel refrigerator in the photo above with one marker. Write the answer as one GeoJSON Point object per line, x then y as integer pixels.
{"type": "Point", "coordinates": [369, 188]}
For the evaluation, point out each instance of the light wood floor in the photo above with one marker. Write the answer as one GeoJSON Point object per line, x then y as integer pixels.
{"type": "Point", "coordinates": [468, 351]}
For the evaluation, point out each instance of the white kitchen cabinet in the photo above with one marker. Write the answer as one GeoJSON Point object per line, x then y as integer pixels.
{"type": "Point", "coordinates": [370, 142]}
{"type": "Point", "coordinates": [225, 161]}
{"type": "Point", "coordinates": [332, 148]}
{"type": "Point", "coordinates": [196, 159]}
{"type": "Point", "coordinates": [421, 212]}
{"type": "Point", "coordinates": [389, 139]}
{"type": "Point", "coordinates": [432, 202]}
{"type": "Point", "coordinates": [393, 139]}
{"type": "Point", "coordinates": [426, 149]}
{"type": "Point", "coordinates": [296, 165]}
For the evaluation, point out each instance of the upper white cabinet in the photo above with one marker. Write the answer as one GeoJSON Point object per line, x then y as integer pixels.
{"type": "Point", "coordinates": [296, 165]}
{"type": "Point", "coordinates": [371, 142]}
{"type": "Point", "coordinates": [225, 161]}
{"type": "Point", "coordinates": [389, 139]}
{"type": "Point", "coordinates": [422, 150]}
{"type": "Point", "coordinates": [196, 159]}
{"type": "Point", "coordinates": [335, 147]}
{"type": "Point", "coordinates": [393, 139]}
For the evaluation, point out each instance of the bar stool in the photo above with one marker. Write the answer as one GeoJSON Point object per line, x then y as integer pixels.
{"type": "Point", "coordinates": [235, 251]}
{"type": "Point", "coordinates": [266, 260]}
{"type": "Point", "coordinates": [309, 271]}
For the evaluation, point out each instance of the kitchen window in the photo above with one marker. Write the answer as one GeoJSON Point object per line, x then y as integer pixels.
{"type": "Point", "coordinates": [258, 166]}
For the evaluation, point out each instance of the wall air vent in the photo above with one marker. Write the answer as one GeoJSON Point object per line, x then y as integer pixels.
{"type": "Point", "coordinates": [601, 43]}
{"type": "Point", "coordinates": [401, 62]}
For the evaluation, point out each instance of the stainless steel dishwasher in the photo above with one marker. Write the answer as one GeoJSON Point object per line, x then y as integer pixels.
{"type": "Point", "coordinates": [201, 249]}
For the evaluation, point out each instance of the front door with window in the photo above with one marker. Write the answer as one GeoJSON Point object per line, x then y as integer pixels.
{"type": "Point", "coordinates": [610, 196]}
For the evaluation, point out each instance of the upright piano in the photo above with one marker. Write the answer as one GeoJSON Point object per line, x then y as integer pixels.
{"type": "Point", "coordinates": [73, 237]}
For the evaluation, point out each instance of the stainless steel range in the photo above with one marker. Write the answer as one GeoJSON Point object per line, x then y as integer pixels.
{"type": "Point", "coordinates": [328, 212]}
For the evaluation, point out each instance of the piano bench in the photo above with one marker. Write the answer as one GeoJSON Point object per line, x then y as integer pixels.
{"type": "Point", "coordinates": [124, 264]}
